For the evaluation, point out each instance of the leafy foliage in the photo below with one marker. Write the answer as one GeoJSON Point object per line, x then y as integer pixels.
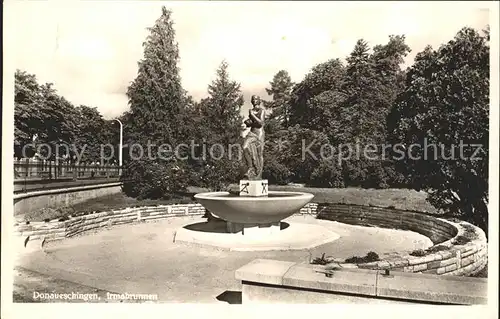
{"type": "Point", "coordinates": [159, 110]}
{"type": "Point", "coordinates": [349, 104]}
{"type": "Point", "coordinates": [278, 109]}
{"type": "Point", "coordinates": [92, 131]}
{"type": "Point", "coordinates": [370, 257]}
{"type": "Point", "coordinates": [327, 174]}
{"type": "Point", "coordinates": [27, 114]}
{"type": "Point", "coordinates": [321, 260]}
{"type": "Point", "coordinates": [218, 124]}
{"type": "Point", "coordinates": [156, 97]}
{"type": "Point", "coordinates": [446, 103]}
{"type": "Point", "coordinates": [324, 77]}
{"type": "Point", "coordinates": [154, 179]}
{"type": "Point", "coordinates": [297, 149]}
{"type": "Point", "coordinates": [41, 116]}
{"type": "Point", "coordinates": [418, 253]}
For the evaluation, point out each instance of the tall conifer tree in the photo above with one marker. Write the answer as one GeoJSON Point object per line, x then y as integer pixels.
{"type": "Point", "coordinates": [156, 97]}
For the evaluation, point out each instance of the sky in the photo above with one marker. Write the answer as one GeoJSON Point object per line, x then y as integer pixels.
{"type": "Point", "coordinates": [90, 49]}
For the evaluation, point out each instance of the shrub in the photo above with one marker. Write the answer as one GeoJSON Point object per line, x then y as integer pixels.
{"type": "Point", "coordinates": [469, 231]}
{"type": "Point", "coordinates": [42, 214]}
{"type": "Point", "coordinates": [418, 253]}
{"type": "Point", "coordinates": [298, 139]}
{"type": "Point", "coordinates": [65, 211]}
{"type": "Point", "coordinates": [63, 218]}
{"type": "Point", "coordinates": [435, 249]}
{"type": "Point", "coordinates": [217, 175]}
{"type": "Point", "coordinates": [370, 257]}
{"type": "Point", "coordinates": [327, 174]}
{"type": "Point", "coordinates": [370, 174]}
{"type": "Point", "coordinates": [321, 260]}
{"type": "Point", "coordinates": [354, 260]}
{"type": "Point", "coordinates": [146, 178]}
{"type": "Point", "coordinates": [277, 173]}
{"type": "Point", "coordinates": [460, 240]}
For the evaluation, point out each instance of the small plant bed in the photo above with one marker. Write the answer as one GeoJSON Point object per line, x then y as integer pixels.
{"type": "Point", "coordinates": [461, 240]}
{"type": "Point", "coordinates": [435, 249]}
{"type": "Point", "coordinates": [322, 260]}
{"type": "Point", "coordinates": [418, 253]}
{"type": "Point", "coordinates": [370, 257]}
{"type": "Point", "coordinates": [469, 234]}
{"type": "Point", "coordinates": [428, 251]}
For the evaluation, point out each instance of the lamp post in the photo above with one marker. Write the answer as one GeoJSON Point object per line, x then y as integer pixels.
{"type": "Point", "coordinates": [120, 148]}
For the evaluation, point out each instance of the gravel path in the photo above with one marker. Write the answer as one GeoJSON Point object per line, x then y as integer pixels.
{"type": "Point", "coordinates": [142, 259]}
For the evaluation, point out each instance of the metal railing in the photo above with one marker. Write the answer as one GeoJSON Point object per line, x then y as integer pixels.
{"type": "Point", "coordinates": [32, 169]}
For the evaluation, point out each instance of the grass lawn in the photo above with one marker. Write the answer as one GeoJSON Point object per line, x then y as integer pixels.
{"type": "Point", "coordinates": [397, 198]}
{"type": "Point", "coordinates": [404, 199]}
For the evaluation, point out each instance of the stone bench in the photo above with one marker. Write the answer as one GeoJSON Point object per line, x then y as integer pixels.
{"type": "Point", "coordinates": [273, 281]}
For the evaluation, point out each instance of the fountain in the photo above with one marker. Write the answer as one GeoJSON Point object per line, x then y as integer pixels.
{"type": "Point", "coordinates": [252, 217]}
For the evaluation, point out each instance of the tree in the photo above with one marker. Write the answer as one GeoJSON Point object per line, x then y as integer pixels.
{"type": "Point", "coordinates": [41, 116]}
{"type": "Point", "coordinates": [446, 104]}
{"type": "Point", "coordinates": [221, 109]}
{"type": "Point", "coordinates": [92, 132]}
{"type": "Point", "coordinates": [158, 115]}
{"type": "Point", "coordinates": [279, 108]}
{"type": "Point", "coordinates": [156, 97]}
{"type": "Point", "coordinates": [59, 130]}
{"type": "Point", "coordinates": [218, 124]}
{"type": "Point", "coordinates": [371, 85]}
{"type": "Point", "coordinates": [387, 60]}
{"type": "Point", "coordinates": [360, 87]}
{"type": "Point", "coordinates": [293, 154]}
{"type": "Point", "coordinates": [349, 105]}
{"type": "Point", "coordinates": [28, 115]}
{"type": "Point", "coordinates": [327, 76]}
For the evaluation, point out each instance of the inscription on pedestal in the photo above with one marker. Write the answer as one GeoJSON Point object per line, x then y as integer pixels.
{"type": "Point", "coordinates": [253, 188]}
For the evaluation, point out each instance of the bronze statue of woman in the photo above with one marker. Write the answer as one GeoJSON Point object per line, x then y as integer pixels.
{"type": "Point", "coordinates": [253, 144]}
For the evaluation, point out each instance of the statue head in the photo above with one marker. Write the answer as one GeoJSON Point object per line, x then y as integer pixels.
{"type": "Point", "coordinates": [255, 100]}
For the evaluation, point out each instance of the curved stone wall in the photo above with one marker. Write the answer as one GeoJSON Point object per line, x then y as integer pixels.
{"type": "Point", "coordinates": [75, 225]}
{"type": "Point", "coordinates": [448, 258]}
{"type": "Point", "coordinates": [450, 255]}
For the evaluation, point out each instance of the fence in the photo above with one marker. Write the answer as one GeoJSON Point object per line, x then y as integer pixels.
{"type": "Point", "coordinates": [27, 169]}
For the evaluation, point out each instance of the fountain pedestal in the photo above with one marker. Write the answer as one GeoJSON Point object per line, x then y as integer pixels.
{"type": "Point", "coordinates": [254, 223]}
{"type": "Point", "coordinates": [253, 188]}
{"type": "Point", "coordinates": [253, 229]}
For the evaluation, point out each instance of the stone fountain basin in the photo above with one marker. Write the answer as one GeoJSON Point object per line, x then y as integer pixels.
{"type": "Point", "coordinates": [273, 208]}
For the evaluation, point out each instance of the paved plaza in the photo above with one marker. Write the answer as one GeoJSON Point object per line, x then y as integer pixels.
{"type": "Point", "coordinates": [143, 259]}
